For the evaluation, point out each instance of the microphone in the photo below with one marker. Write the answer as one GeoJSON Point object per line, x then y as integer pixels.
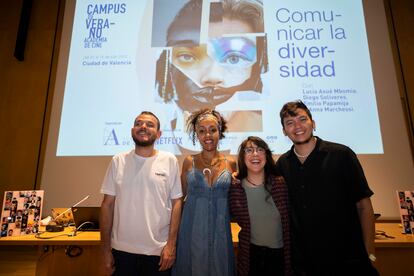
{"type": "Point", "coordinates": [52, 226]}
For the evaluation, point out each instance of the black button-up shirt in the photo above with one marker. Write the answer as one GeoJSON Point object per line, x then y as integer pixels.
{"type": "Point", "coordinates": [323, 193]}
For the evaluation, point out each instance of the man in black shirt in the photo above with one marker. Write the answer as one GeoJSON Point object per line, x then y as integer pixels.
{"type": "Point", "coordinates": [332, 217]}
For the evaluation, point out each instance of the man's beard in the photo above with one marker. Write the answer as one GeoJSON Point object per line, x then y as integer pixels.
{"type": "Point", "coordinates": [304, 142]}
{"type": "Point", "coordinates": [147, 143]}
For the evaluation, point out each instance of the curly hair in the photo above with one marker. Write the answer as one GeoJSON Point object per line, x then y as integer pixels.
{"type": "Point", "coordinates": [195, 117]}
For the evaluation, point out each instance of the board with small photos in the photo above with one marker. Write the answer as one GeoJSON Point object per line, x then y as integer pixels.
{"type": "Point", "coordinates": [406, 208]}
{"type": "Point", "coordinates": [21, 212]}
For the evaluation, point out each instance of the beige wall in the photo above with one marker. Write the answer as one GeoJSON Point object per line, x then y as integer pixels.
{"type": "Point", "coordinates": [23, 91]}
{"type": "Point", "coordinates": [25, 102]}
{"type": "Point", "coordinates": [401, 21]}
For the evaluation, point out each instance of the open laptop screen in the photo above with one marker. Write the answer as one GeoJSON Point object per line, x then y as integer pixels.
{"type": "Point", "coordinates": [86, 218]}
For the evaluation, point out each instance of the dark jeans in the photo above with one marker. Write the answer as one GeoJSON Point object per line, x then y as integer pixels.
{"type": "Point", "coordinates": [266, 261]}
{"type": "Point", "coordinates": [136, 264]}
{"type": "Point", "coordinates": [343, 268]}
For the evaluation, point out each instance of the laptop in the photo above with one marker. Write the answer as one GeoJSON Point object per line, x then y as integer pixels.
{"type": "Point", "coordinates": [86, 218]}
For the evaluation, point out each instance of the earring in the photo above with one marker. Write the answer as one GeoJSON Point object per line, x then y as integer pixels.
{"type": "Point", "coordinates": [166, 63]}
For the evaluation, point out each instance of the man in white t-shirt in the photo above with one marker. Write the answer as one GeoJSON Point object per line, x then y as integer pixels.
{"type": "Point", "coordinates": [141, 209]}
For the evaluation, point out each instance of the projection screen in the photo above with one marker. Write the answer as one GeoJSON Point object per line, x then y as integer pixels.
{"type": "Point", "coordinates": [173, 57]}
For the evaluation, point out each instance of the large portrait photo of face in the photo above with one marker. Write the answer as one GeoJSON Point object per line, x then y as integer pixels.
{"type": "Point", "coordinates": [215, 54]}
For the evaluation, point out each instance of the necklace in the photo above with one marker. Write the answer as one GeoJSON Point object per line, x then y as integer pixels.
{"type": "Point", "coordinates": [300, 156]}
{"type": "Point", "coordinates": [209, 166]}
{"type": "Point", "coordinates": [252, 183]}
{"type": "Point", "coordinates": [206, 170]}
{"type": "Point", "coordinates": [306, 155]}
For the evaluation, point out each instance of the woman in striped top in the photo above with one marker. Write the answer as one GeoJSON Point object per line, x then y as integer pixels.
{"type": "Point", "coordinates": [259, 204]}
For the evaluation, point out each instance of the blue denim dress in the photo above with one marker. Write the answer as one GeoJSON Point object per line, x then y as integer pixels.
{"type": "Point", "coordinates": [204, 246]}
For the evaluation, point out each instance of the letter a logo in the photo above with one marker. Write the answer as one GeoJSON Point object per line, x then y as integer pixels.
{"type": "Point", "coordinates": [110, 138]}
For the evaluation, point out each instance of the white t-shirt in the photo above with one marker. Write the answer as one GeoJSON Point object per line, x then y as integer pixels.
{"type": "Point", "coordinates": [144, 188]}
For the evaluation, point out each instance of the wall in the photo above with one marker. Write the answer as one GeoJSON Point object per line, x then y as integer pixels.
{"type": "Point", "coordinates": [24, 91]}
{"type": "Point", "coordinates": [401, 20]}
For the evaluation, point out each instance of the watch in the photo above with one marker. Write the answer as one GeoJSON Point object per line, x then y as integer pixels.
{"type": "Point", "coordinates": [372, 257]}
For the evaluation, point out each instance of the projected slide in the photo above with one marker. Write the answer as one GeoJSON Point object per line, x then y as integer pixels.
{"type": "Point", "coordinates": [243, 58]}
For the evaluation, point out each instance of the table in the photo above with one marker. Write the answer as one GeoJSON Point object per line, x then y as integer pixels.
{"type": "Point", "coordinates": [55, 238]}
{"type": "Point", "coordinates": [394, 256]}
{"type": "Point", "coordinates": [56, 254]}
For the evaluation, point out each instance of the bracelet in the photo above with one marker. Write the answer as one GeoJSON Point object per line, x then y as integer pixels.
{"type": "Point", "coordinates": [372, 257]}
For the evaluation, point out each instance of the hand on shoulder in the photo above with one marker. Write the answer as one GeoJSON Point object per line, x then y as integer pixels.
{"type": "Point", "coordinates": [235, 173]}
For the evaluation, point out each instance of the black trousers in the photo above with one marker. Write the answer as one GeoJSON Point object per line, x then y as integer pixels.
{"type": "Point", "coordinates": [266, 261]}
{"type": "Point", "coordinates": [127, 264]}
{"type": "Point", "coordinates": [340, 268]}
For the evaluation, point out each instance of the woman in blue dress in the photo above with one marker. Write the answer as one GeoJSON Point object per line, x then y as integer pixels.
{"type": "Point", "coordinates": [204, 244]}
